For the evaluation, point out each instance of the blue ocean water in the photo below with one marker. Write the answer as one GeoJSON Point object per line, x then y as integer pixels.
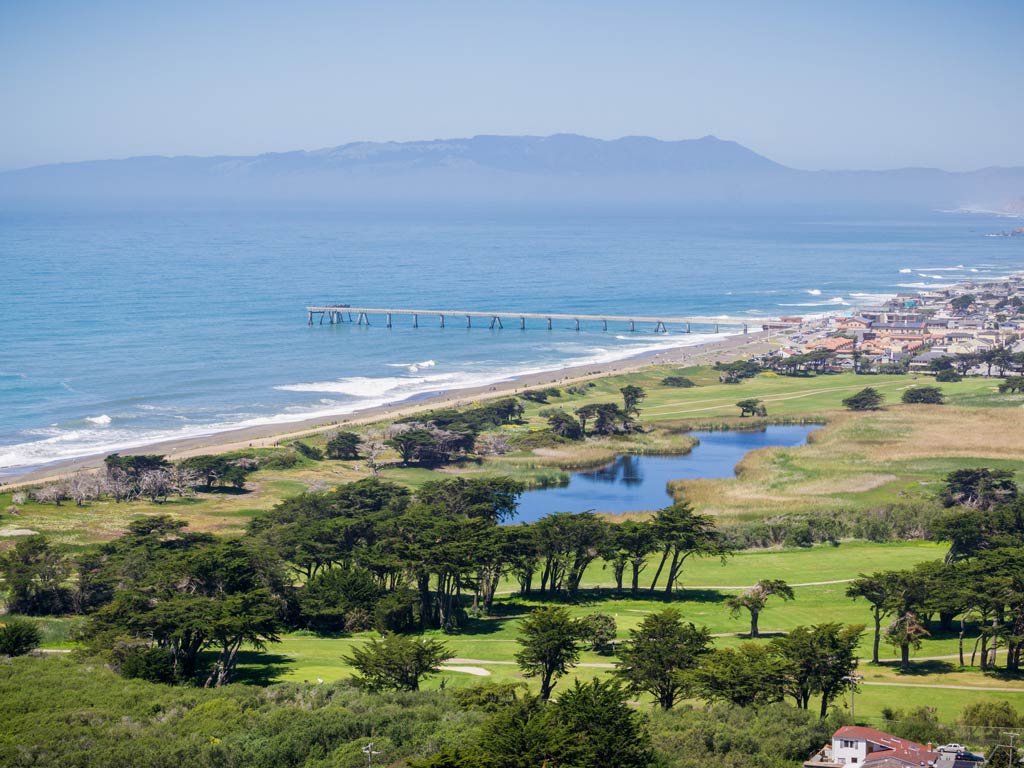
{"type": "Point", "coordinates": [121, 328]}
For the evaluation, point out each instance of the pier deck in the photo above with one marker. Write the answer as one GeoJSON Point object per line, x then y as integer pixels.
{"type": "Point", "coordinates": [336, 313]}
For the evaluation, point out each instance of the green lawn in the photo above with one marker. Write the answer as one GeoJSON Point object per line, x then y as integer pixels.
{"type": "Point", "coordinates": [785, 396]}
{"type": "Point", "coordinates": [858, 461]}
{"type": "Point", "coordinates": [490, 644]}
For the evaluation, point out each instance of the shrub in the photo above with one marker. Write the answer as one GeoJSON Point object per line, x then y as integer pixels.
{"type": "Point", "coordinates": [358, 620]}
{"type": "Point", "coordinates": [948, 375]}
{"type": "Point", "coordinates": [527, 441]}
{"type": "Point", "coordinates": [921, 725]}
{"type": "Point", "coordinates": [329, 597]}
{"type": "Point", "coordinates": [309, 451]}
{"type": "Point", "coordinates": [492, 445]}
{"type": "Point", "coordinates": [280, 460]}
{"type": "Point", "coordinates": [923, 396]}
{"type": "Point", "coordinates": [18, 637]}
{"type": "Point", "coordinates": [677, 381]}
{"type": "Point", "coordinates": [397, 612]}
{"type": "Point", "coordinates": [581, 389]}
{"type": "Point", "coordinates": [1011, 384]}
{"type": "Point", "coordinates": [598, 629]}
{"type": "Point", "coordinates": [144, 662]}
{"type": "Point", "coordinates": [868, 399]}
{"type": "Point", "coordinates": [540, 395]}
{"type": "Point", "coordinates": [489, 697]}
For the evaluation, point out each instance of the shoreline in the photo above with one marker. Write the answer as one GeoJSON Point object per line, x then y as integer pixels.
{"type": "Point", "coordinates": [268, 435]}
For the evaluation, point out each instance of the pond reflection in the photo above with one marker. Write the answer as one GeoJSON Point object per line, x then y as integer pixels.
{"type": "Point", "coordinates": [634, 483]}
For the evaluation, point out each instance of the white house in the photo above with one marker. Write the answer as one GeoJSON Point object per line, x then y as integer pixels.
{"type": "Point", "coordinates": [857, 745]}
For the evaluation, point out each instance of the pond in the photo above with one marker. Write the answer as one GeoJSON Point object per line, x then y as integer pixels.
{"type": "Point", "coordinates": [635, 483]}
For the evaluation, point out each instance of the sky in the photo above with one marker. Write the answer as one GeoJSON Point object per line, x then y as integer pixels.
{"type": "Point", "coordinates": [809, 84]}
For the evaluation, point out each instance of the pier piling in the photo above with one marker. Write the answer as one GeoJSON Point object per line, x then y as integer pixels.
{"type": "Point", "coordinates": [335, 315]}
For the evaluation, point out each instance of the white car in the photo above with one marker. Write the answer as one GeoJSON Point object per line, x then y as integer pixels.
{"type": "Point", "coordinates": [952, 748]}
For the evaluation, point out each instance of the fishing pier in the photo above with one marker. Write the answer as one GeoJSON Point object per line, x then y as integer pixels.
{"type": "Point", "coordinates": [342, 313]}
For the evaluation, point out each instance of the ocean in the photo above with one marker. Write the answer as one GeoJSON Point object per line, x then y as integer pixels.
{"type": "Point", "coordinates": [119, 329]}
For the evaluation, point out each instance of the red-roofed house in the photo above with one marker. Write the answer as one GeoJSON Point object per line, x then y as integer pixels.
{"type": "Point", "coordinates": [833, 344]}
{"type": "Point", "coordinates": [857, 745]}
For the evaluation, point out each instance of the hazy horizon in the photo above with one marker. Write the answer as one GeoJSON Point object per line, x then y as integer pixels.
{"type": "Point", "coordinates": [435, 139]}
{"type": "Point", "coordinates": [811, 86]}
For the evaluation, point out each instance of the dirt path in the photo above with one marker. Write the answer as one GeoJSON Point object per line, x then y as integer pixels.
{"type": "Point", "coordinates": [944, 687]}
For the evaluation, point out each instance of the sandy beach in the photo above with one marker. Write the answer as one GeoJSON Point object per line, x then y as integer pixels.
{"type": "Point", "coordinates": [728, 348]}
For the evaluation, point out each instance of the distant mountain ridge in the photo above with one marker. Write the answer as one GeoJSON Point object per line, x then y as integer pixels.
{"type": "Point", "coordinates": [562, 168]}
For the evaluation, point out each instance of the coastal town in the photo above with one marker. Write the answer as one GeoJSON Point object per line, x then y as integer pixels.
{"type": "Point", "coordinates": [974, 326]}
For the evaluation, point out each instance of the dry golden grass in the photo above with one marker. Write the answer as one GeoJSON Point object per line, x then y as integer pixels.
{"type": "Point", "coordinates": [946, 431]}
{"type": "Point", "coordinates": [864, 459]}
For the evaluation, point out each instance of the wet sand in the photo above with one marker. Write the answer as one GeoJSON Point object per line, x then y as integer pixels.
{"type": "Point", "coordinates": [729, 348]}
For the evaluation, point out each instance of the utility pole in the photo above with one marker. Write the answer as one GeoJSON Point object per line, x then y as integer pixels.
{"type": "Point", "coordinates": [368, 751]}
{"type": "Point", "coordinates": [853, 680]}
{"type": "Point", "coordinates": [1011, 756]}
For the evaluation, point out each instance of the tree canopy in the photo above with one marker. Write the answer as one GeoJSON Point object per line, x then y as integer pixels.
{"type": "Point", "coordinates": [868, 399]}
{"type": "Point", "coordinates": [659, 651]}
{"type": "Point", "coordinates": [548, 646]}
{"type": "Point", "coordinates": [396, 662]}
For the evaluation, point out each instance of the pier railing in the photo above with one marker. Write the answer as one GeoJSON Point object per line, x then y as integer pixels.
{"type": "Point", "coordinates": [340, 313]}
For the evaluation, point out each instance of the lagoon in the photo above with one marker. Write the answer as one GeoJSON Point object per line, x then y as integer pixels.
{"type": "Point", "coordinates": [636, 483]}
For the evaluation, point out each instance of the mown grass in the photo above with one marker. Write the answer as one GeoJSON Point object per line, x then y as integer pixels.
{"type": "Point", "coordinates": [855, 461]}
{"type": "Point", "coordinates": [491, 643]}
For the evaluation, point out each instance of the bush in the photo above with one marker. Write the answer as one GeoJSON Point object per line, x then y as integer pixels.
{"type": "Point", "coordinates": [527, 441]}
{"type": "Point", "coordinates": [677, 381]}
{"type": "Point", "coordinates": [868, 399]}
{"type": "Point", "coordinates": [329, 597]}
{"type": "Point", "coordinates": [581, 389]}
{"type": "Point", "coordinates": [948, 375]}
{"type": "Point", "coordinates": [921, 725]}
{"type": "Point", "coordinates": [489, 697]}
{"type": "Point", "coordinates": [144, 662]}
{"type": "Point", "coordinates": [309, 451]}
{"type": "Point", "coordinates": [598, 629]}
{"type": "Point", "coordinates": [18, 637]}
{"type": "Point", "coordinates": [923, 396]}
{"type": "Point", "coordinates": [280, 460]}
{"type": "Point", "coordinates": [397, 612]}
{"type": "Point", "coordinates": [358, 620]}
{"type": "Point", "coordinates": [540, 395]}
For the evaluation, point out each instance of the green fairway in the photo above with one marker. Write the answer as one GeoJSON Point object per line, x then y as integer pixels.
{"type": "Point", "coordinates": [784, 396]}
{"type": "Point", "coordinates": [486, 648]}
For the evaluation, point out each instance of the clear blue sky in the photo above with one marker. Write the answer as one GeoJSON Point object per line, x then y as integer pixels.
{"type": "Point", "coordinates": [810, 84]}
